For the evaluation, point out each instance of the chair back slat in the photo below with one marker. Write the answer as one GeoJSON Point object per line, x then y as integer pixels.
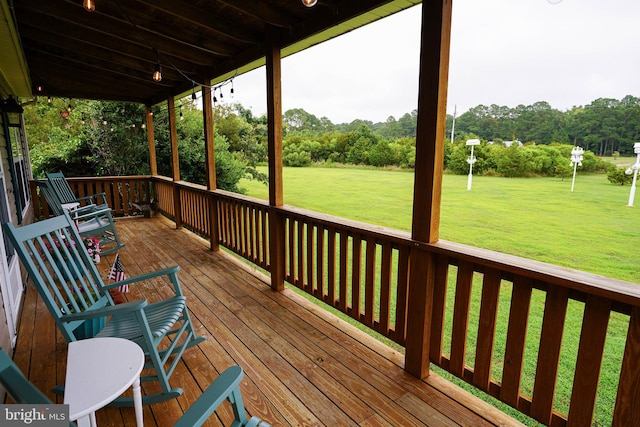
{"type": "Point", "coordinates": [61, 269]}
{"type": "Point", "coordinates": [61, 187]}
{"type": "Point", "coordinates": [54, 202]}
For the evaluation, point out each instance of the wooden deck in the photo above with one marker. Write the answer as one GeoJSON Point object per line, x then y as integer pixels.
{"type": "Point", "coordinates": [303, 366]}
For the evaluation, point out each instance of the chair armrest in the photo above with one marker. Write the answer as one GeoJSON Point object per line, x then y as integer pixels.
{"type": "Point", "coordinates": [89, 214]}
{"type": "Point", "coordinates": [172, 272]}
{"type": "Point", "coordinates": [85, 199]}
{"type": "Point", "coordinates": [126, 307]}
{"type": "Point", "coordinates": [82, 209]}
{"type": "Point", "coordinates": [102, 195]}
{"type": "Point", "coordinates": [220, 390]}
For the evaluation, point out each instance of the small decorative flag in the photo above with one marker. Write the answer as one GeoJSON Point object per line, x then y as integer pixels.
{"type": "Point", "coordinates": [117, 273]}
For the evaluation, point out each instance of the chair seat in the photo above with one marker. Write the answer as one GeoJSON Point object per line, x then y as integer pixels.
{"type": "Point", "coordinates": [160, 315]}
{"type": "Point", "coordinates": [93, 224]}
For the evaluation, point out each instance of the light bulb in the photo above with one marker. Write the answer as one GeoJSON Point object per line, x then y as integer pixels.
{"type": "Point", "coordinates": [89, 5]}
{"type": "Point", "coordinates": [309, 3]}
{"type": "Point", "coordinates": [157, 74]}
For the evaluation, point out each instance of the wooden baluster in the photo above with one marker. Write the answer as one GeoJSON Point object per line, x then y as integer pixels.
{"type": "Point", "coordinates": [310, 255]}
{"type": "Point", "coordinates": [555, 311]}
{"type": "Point", "coordinates": [318, 290]}
{"type": "Point", "coordinates": [330, 296]}
{"type": "Point", "coordinates": [369, 285]}
{"type": "Point", "coordinates": [487, 328]}
{"type": "Point", "coordinates": [344, 270]}
{"type": "Point", "coordinates": [356, 277]}
{"type": "Point", "coordinates": [627, 411]}
{"type": "Point", "coordinates": [300, 257]}
{"type": "Point", "coordinates": [400, 325]}
{"type": "Point", "coordinates": [385, 289]}
{"type": "Point", "coordinates": [516, 336]}
{"type": "Point", "coordinates": [439, 308]}
{"type": "Point", "coordinates": [592, 339]}
{"type": "Point", "coordinates": [460, 328]}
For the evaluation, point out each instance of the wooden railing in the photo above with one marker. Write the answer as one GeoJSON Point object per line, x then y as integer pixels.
{"type": "Point", "coordinates": [121, 193]}
{"type": "Point", "coordinates": [499, 322]}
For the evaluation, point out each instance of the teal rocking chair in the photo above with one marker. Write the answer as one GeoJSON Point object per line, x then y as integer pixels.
{"type": "Point", "coordinates": [91, 220]}
{"type": "Point", "coordinates": [68, 281]}
{"type": "Point", "coordinates": [63, 190]}
{"type": "Point", "coordinates": [225, 387]}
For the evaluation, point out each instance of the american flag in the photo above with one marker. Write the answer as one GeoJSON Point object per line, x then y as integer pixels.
{"type": "Point", "coordinates": [117, 273]}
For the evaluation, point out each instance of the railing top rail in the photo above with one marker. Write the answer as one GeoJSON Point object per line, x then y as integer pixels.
{"type": "Point", "coordinates": [109, 178]}
{"type": "Point", "coordinates": [607, 287]}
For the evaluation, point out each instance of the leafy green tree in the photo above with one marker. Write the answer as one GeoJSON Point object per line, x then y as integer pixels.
{"type": "Point", "coordinates": [86, 138]}
{"type": "Point", "coordinates": [381, 154]}
{"type": "Point", "coordinates": [515, 162]}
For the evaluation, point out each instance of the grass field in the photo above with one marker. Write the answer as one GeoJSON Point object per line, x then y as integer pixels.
{"type": "Point", "coordinates": [591, 229]}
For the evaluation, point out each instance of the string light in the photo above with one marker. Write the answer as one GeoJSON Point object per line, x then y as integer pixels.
{"type": "Point", "coordinates": [157, 74]}
{"type": "Point", "coordinates": [89, 5]}
{"type": "Point", "coordinates": [309, 3]}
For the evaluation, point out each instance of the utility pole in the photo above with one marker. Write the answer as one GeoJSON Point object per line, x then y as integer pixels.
{"type": "Point", "coordinates": [453, 124]}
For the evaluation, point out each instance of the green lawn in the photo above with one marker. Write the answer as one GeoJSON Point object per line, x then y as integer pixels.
{"type": "Point", "coordinates": [591, 229]}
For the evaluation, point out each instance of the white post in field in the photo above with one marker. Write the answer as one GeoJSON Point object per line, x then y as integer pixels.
{"type": "Point", "coordinates": [471, 160]}
{"type": "Point", "coordinates": [576, 160]}
{"type": "Point", "coordinates": [633, 169]}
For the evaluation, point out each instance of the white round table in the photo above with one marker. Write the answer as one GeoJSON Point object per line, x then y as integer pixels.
{"type": "Point", "coordinates": [98, 371]}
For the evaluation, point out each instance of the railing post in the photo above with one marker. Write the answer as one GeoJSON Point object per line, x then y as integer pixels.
{"type": "Point", "coordinates": [153, 164]}
{"type": "Point", "coordinates": [207, 115]}
{"type": "Point", "coordinates": [430, 135]}
{"type": "Point", "coordinates": [274, 117]}
{"type": "Point", "coordinates": [175, 161]}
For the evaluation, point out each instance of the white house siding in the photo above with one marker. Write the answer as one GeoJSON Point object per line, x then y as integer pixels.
{"type": "Point", "coordinates": [5, 340]}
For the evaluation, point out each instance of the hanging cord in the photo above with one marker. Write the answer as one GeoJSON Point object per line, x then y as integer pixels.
{"type": "Point", "coordinates": [166, 60]}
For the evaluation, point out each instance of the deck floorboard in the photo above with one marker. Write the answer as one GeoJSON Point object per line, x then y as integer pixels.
{"type": "Point", "coordinates": [303, 366]}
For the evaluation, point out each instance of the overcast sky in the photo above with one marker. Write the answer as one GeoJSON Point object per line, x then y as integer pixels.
{"type": "Point", "coordinates": [504, 52]}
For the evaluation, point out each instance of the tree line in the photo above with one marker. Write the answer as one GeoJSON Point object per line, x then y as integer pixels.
{"type": "Point", "coordinates": [83, 137]}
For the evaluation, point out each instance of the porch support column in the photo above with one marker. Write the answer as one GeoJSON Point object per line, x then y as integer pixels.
{"type": "Point", "coordinates": [175, 160]}
{"type": "Point", "coordinates": [274, 121]}
{"type": "Point", "coordinates": [210, 161]}
{"type": "Point", "coordinates": [430, 137]}
{"type": "Point", "coordinates": [153, 164]}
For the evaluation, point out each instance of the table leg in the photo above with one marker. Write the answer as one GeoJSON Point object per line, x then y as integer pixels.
{"type": "Point", "coordinates": [86, 421]}
{"type": "Point", "coordinates": [137, 402]}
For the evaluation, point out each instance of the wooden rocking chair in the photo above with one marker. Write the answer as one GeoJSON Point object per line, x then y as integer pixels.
{"type": "Point", "coordinates": [68, 281]}
{"type": "Point", "coordinates": [91, 220]}
{"type": "Point", "coordinates": [226, 386]}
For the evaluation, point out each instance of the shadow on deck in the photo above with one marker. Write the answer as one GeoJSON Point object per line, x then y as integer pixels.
{"type": "Point", "coordinates": [303, 366]}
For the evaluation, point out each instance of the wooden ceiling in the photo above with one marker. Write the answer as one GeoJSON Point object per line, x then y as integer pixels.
{"type": "Point", "coordinates": [110, 54]}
